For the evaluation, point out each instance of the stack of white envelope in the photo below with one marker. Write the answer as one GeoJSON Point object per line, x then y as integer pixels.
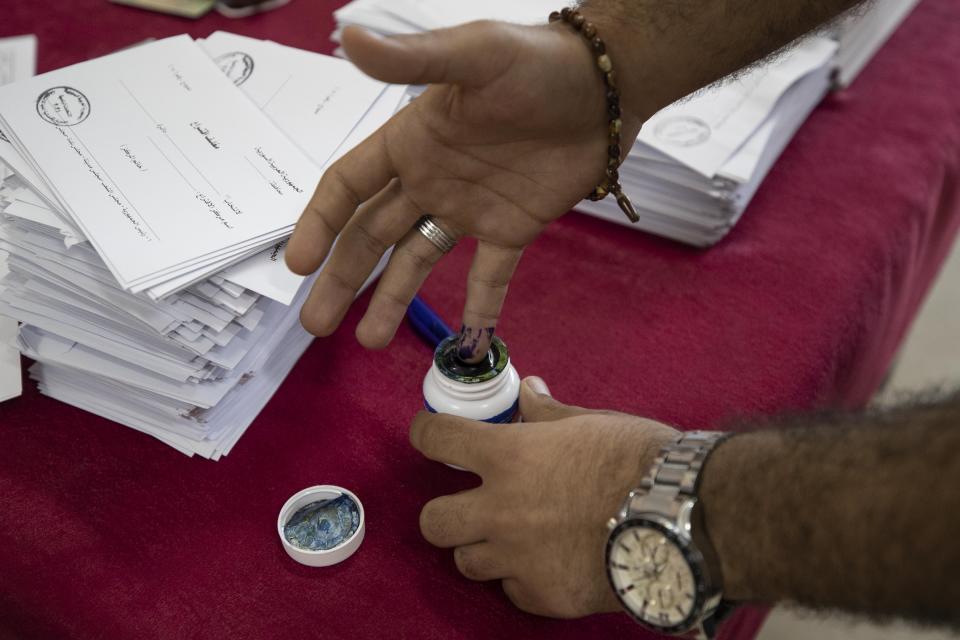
{"type": "Point", "coordinates": [144, 221]}
{"type": "Point", "coordinates": [697, 163]}
{"type": "Point", "coordinates": [392, 17]}
{"type": "Point", "coordinates": [863, 32]}
{"type": "Point", "coordinates": [18, 60]}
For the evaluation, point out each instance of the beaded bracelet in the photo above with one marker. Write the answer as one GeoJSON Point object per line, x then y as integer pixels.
{"type": "Point", "coordinates": [611, 183]}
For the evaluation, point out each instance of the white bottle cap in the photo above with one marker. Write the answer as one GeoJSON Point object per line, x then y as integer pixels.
{"type": "Point", "coordinates": [322, 557]}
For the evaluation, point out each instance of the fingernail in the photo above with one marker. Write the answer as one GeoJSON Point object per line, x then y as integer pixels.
{"type": "Point", "coordinates": [537, 385]}
{"type": "Point", "coordinates": [474, 343]}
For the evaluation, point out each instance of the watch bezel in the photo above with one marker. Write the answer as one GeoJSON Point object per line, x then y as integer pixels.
{"type": "Point", "coordinates": [690, 553]}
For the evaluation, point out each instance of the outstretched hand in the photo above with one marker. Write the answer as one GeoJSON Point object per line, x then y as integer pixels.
{"type": "Point", "coordinates": [550, 484]}
{"type": "Point", "coordinates": [508, 137]}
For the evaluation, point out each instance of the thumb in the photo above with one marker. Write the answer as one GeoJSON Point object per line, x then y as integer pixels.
{"type": "Point", "coordinates": [537, 405]}
{"type": "Point", "coordinates": [467, 54]}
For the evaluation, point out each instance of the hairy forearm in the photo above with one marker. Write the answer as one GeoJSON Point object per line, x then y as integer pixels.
{"type": "Point", "coordinates": [665, 49]}
{"type": "Point", "coordinates": [859, 514]}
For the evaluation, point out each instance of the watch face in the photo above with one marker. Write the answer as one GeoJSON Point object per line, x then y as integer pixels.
{"type": "Point", "coordinates": [652, 577]}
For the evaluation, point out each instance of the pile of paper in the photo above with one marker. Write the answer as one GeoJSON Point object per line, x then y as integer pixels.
{"type": "Point", "coordinates": [864, 31]}
{"type": "Point", "coordinates": [392, 17]}
{"type": "Point", "coordinates": [697, 163]}
{"type": "Point", "coordinates": [18, 60]}
{"type": "Point", "coordinates": [150, 196]}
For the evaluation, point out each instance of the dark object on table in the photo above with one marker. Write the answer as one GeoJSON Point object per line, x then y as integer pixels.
{"type": "Point", "coordinates": [183, 8]}
{"type": "Point", "coordinates": [242, 8]}
{"type": "Point", "coordinates": [427, 323]}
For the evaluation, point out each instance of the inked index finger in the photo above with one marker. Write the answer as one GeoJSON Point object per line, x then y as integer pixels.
{"type": "Point", "coordinates": [490, 275]}
{"type": "Point", "coordinates": [344, 186]}
{"type": "Point", "coordinates": [454, 440]}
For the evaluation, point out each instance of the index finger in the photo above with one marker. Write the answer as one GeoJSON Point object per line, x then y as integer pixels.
{"type": "Point", "coordinates": [454, 440]}
{"type": "Point", "coordinates": [344, 186]}
{"type": "Point", "coordinates": [487, 283]}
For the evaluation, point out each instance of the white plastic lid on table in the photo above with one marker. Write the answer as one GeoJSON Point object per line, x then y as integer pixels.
{"type": "Point", "coordinates": [324, 496]}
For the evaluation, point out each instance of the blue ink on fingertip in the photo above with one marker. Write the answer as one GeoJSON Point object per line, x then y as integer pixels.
{"type": "Point", "coordinates": [474, 343]}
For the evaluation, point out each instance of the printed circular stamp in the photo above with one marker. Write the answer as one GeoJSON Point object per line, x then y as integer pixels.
{"type": "Point", "coordinates": [237, 65]}
{"type": "Point", "coordinates": [682, 131]}
{"type": "Point", "coordinates": [63, 106]}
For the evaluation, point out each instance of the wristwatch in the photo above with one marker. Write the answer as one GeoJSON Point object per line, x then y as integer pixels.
{"type": "Point", "coordinates": [660, 563]}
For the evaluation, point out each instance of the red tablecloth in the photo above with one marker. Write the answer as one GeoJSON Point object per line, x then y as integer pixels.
{"type": "Point", "coordinates": [107, 533]}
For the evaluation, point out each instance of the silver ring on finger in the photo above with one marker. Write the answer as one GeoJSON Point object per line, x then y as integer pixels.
{"type": "Point", "coordinates": [437, 236]}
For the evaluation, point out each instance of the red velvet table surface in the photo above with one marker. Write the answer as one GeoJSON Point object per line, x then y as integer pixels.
{"type": "Point", "coordinates": [106, 533]}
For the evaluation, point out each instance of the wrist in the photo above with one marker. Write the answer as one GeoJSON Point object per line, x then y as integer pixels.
{"type": "Point", "coordinates": [636, 63]}
{"type": "Point", "coordinates": [660, 562]}
{"type": "Point", "coordinates": [733, 513]}
{"type": "Point", "coordinates": [615, 114]}
{"type": "Point", "coordinates": [587, 84]}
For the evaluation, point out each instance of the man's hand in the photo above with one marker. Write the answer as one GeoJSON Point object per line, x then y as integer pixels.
{"type": "Point", "coordinates": [549, 486]}
{"type": "Point", "coordinates": [831, 512]}
{"type": "Point", "coordinates": [511, 134]}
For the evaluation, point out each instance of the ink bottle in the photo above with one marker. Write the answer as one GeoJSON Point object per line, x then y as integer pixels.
{"type": "Point", "coordinates": [488, 391]}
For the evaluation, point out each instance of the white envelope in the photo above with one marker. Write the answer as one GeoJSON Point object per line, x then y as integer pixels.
{"type": "Point", "coordinates": [160, 160]}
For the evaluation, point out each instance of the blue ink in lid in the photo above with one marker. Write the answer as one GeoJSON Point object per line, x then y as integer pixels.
{"type": "Point", "coordinates": [321, 525]}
